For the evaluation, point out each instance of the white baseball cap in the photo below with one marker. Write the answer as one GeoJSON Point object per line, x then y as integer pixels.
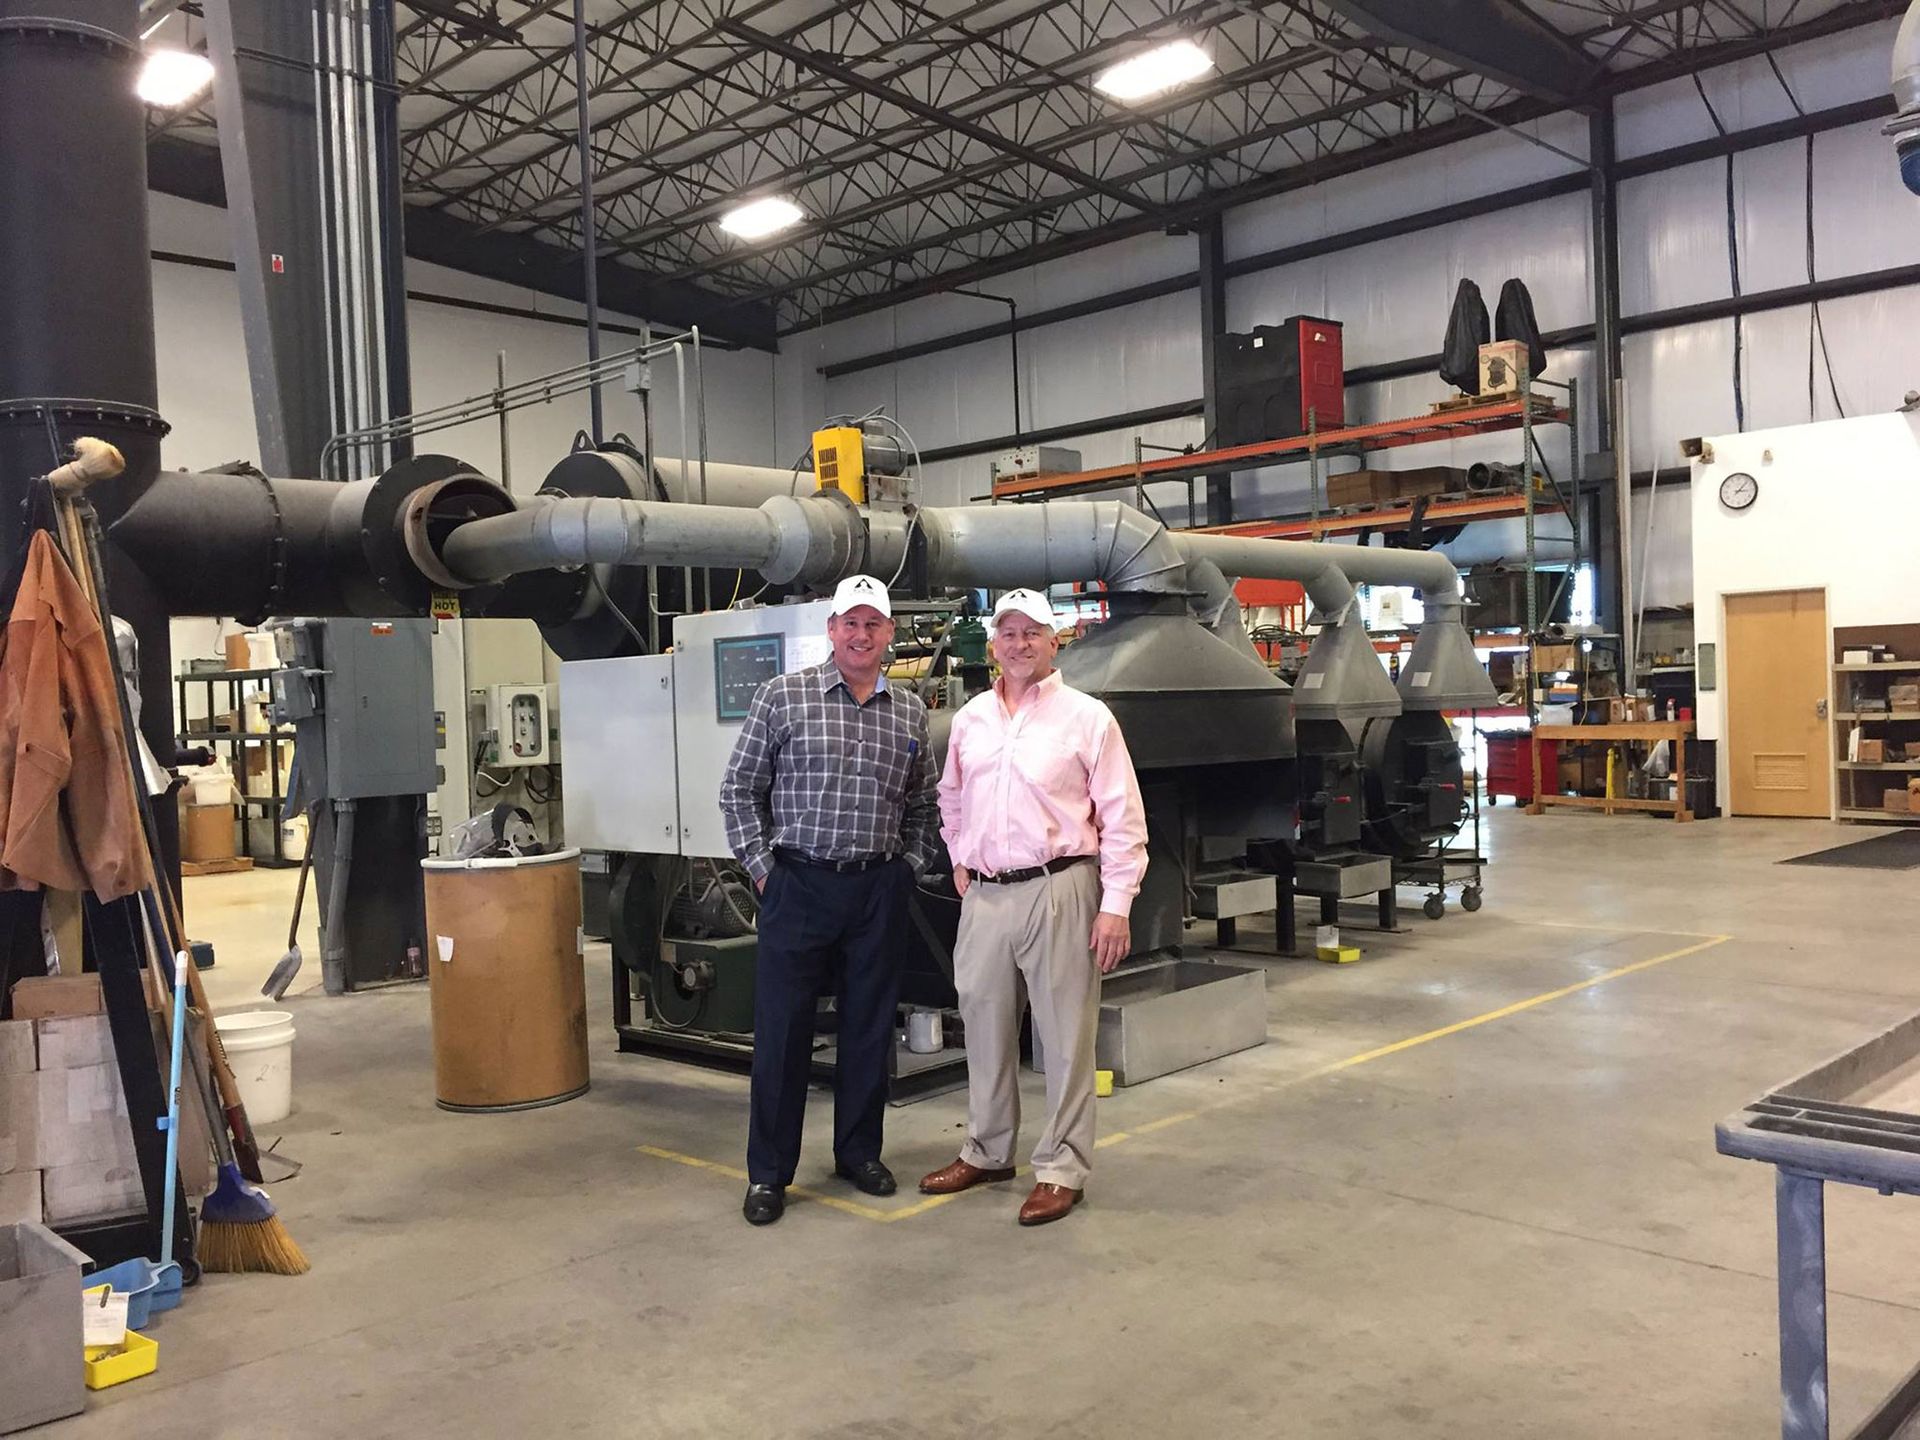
{"type": "Point", "coordinates": [861, 590]}
{"type": "Point", "coordinates": [1030, 603]}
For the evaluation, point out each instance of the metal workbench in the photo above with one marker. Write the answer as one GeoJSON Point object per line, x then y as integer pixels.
{"type": "Point", "coordinates": [1854, 1120]}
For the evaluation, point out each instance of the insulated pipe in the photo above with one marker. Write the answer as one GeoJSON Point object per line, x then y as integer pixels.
{"type": "Point", "coordinates": [1008, 545]}
{"type": "Point", "coordinates": [1327, 571]}
{"type": "Point", "coordinates": [540, 536]}
{"type": "Point", "coordinates": [823, 538]}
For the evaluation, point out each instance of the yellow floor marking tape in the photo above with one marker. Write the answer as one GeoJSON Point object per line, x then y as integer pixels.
{"type": "Point", "coordinates": [931, 1202]}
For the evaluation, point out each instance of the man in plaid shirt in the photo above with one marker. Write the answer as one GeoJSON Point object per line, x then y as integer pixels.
{"type": "Point", "coordinates": [831, 804]}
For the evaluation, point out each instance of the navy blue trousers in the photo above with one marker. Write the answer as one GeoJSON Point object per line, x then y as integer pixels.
{"type": "Point", "coordinates": [823, 932]}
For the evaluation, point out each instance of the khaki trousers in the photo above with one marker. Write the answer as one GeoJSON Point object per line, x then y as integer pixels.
{"type": "Point", "coordinates": [1031, 935]}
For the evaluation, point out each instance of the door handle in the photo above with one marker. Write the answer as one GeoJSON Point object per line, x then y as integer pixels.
{"type": "Point", "coordinates": [1820, 708]}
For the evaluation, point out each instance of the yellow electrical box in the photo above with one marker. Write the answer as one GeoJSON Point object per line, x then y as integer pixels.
{"type": "Point", "coordinates": [840, 462]}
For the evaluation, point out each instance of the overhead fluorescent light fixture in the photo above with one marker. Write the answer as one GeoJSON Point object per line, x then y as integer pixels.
{"type": "Point", "coordinates": [171, 78]}
{"type": "Point", "coordinates": [1154, 72]}
{"type": "Point", "coordinates": [760, 218]}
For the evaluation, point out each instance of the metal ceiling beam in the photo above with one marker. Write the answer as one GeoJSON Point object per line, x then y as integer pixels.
{"type": "Point", "coordinates": [838, 162]}
{"type": "Point", "coordinates": [606, 183]}
{"type": "Point", "coordinates": [817, 167]}
{"type": "Point", "coordinates": [1501, 41]}
{"type": "Point", "coordinates": [1654, 72]}
{"type": "Point", "coordinates": [1292, 124]}
{"type": "Point", "coordinates": [550, 113]}
{"type": "Point", "coordinates": [1201, 14]}
{"type": "Point", "coordinates": [854, 80]}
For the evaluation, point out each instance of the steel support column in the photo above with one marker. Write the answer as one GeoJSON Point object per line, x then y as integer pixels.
{"type": "Point", "coordinates": [1611, 581]}
{"type": "Point", "coordinates": [269, 148]}
{"type": "Point", "coordinates": [392, 229]}
{"type": "Point", "coordinates": [1213, 324]}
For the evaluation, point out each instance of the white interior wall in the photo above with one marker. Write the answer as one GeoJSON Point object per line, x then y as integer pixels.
{"type": "Point", "coordinates": [204, 390]}
{"type": "Point", "coordinates": [1838, 510]}
{"type": "Point", "coordinates": [1393, 296]}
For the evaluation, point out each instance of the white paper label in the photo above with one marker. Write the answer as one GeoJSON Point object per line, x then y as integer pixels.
{"type": "Point", "coordinates": [809, 650]}
{"type": "Point", "coordinates": [1422, 679]}
{"type": "Point", "coordinates": [445, 942]}
{"type": "Point", "coordinates": [1314, 681]}
{"type": "Point", "coordinates": [104, 1317]}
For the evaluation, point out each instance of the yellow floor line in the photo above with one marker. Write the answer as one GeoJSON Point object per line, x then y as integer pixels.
{"type": "Point", "coordinates": [1241, 1097]}
{"type": "Point", "coordinates": [1517, 1007]}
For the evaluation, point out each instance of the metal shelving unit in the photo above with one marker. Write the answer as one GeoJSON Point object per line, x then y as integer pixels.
{"type": "Point", "coordinates": [238, 743]}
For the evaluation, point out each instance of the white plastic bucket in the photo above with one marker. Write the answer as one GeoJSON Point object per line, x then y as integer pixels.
{"type": "Point", "coordinates": [260, 1048]}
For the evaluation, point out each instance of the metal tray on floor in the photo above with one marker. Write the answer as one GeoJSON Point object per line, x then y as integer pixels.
{"type": "Point", "coordinates": [1176, 1013]}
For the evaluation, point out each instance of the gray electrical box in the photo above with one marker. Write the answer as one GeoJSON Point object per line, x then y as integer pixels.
{"type": "Point", "coordinates": [377, 695]}
{"type": "Point", "coordinates": [647, 737]}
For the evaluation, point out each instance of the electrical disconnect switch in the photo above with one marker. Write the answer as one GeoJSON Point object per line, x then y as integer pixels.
{"type": "Point", "coordinates": [518, 720]}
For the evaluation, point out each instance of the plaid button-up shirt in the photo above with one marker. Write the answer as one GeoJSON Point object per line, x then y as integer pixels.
{"type": "Point", "coordinates": [816, 771]}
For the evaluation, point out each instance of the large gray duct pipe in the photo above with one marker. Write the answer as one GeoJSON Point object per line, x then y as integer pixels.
{"type": "Point", "coordinates": [823, 538]}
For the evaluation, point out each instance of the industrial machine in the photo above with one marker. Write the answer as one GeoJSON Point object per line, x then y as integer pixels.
{"type": "Point", "coordinates": [649, 737]}
{"type": "Point", "coordinates": [1280, 380]}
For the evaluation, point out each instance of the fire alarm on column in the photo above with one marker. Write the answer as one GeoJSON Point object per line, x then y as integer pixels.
{"type": "Point", "coordinates": [279, 264]}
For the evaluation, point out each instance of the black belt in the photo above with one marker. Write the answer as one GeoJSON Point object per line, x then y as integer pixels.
{"type": "Point", "coordinates": [1032, 872]}
{"type": "Point", "coordinates": [839, 867]}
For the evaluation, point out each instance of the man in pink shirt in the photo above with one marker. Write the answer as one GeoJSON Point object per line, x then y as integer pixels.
{"type": "Point", "coordinates": [1042, 817]}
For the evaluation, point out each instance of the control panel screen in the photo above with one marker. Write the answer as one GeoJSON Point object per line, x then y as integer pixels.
{"type": "Point", "coordinates": [741, 665]}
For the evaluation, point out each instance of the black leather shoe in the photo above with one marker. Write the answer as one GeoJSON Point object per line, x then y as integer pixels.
{"type": "Point", "coordinates": [869, 1176]}
{"type": "Point", "coordinates": [764, 1204]}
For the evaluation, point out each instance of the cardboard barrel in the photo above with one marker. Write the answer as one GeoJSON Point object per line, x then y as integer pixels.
{"type": "Point", "coordinates": [508, 981]}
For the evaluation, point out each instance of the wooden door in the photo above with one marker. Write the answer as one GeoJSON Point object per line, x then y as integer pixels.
{"type": "Point", "coordinates": [1777, 667]}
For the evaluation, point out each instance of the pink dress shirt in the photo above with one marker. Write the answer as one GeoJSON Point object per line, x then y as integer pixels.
{"type": "Point", "coordinates": [1051, 780]}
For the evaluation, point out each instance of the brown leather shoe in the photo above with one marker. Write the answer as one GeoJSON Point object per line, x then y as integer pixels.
{"type": "Point", "coordinates": [1048, 1203]}
{"type": "Point", "coordinates": [961, 1176]}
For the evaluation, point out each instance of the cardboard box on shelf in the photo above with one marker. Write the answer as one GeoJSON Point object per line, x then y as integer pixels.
{"type": "Point", "coordinates": [1913, 793]}
{"type": "Point", "coordinates": [1549, 659]}
{"type": "Point", "coordinates": [1872, 752]}
{"type": "Point", "coordinates": [1359, 487]}
{"type": "Point", "coordinates": [1421, 480]}
{"type": "Point", "coordinates": [1501, 362]}
{"type": "Point", "coordinates": [1898, 801]}
{"type": "Point", "coordinates": [207, 833]}
{"type": "Point", "coordinates": [1903, 697]}
{"type": "Point", "coordinates": [42, 997]}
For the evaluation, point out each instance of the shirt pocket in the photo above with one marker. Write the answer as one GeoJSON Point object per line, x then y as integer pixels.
{"type": "Point", "coordinates": [1049, 765]}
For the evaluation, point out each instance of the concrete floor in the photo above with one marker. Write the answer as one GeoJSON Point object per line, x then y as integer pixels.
{"type": "Point", "coordinates": [1519, 1227]}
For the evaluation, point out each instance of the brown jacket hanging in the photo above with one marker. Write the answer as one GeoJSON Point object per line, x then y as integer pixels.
{"type": "Point", "coordinates": [66, 792]}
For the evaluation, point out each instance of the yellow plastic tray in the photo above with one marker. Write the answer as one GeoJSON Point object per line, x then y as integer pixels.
{"type": "Point", "coordinates": [111, 1364]}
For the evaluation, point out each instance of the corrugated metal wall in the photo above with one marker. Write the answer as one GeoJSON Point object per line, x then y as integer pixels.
{"type": "Point", "coordinates": [1393, 295]}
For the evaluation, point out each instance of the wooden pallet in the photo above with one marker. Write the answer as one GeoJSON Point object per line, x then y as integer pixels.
{"type": "Point", "coordinates": [1468, 402]}
{"type": "Point", "coordinates": [230, 866]}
